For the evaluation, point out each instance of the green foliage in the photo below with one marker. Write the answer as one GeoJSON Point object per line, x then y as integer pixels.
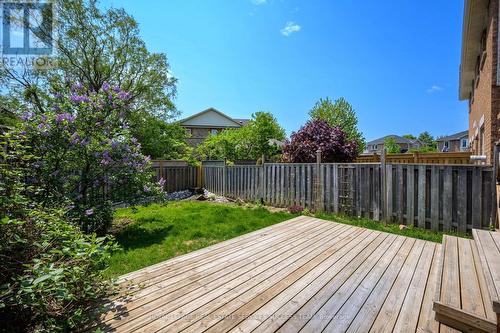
{"type": "Point", "coordinates": [391, 146]}
{"type": "Point", "coordinates": [339, 113]}
{"type": "Point", "coordinates": [51, 277]}
{"type": "Point", "coordinates": [428, 141]}
{"type": "Point", "coordinates": [158, 232]}
{"type": "Point", "coordinates": [247, 143]}
{"type": "Point", "coordinates": [159, 139]}
{"type": "Point", "coordinates": [95, 46]}
{"type": "Point", "coordinates": [262, 127]}
{"type": "Point", "coordinates": [410, 137]}
{"type": "Point", "coordinates": [8, 115]}
{"type": "Point", "coordinates": [429, 144]}
{"type": "Point", "coordinates": [88, 158]}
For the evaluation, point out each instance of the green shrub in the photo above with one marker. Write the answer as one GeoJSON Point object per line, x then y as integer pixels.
{"type": "Point", "coordinates": [51, 274]}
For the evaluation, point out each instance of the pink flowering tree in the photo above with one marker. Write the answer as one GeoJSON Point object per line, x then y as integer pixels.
{"type": "Point", "coordinates": [87, 157]}
{"type": "Point", "coordinates": [318, 135]}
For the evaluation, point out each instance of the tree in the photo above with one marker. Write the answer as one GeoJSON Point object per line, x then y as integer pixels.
{"type": "Point", "coordinates": [96, 47]}
{"type": "Point", "coordinates": [339, 113]}
{"type": "Point", "coordinates": [88, 159]}
{"type": "Point", "coordinates": [391, 145]}
{"type": "Point", "coordinates": [410, 137]}
{"type": "Point", "coordinates": [263, 127]}
{"type": "Point", "coordinates": [428, 141]}
{"type": "Point", "coordinates": [317, 135]}
{"type": "Point", "coordinates": [249, 142]}
{"type": "Point", "coordinates": [51, 274]}
{"type": "Point", "coordinates": [160, 139]}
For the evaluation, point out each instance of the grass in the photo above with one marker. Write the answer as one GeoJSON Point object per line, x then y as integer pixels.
{"type": "Point", "coordinates": [154, 233]}
{"type": "Point", "coordinates": [150, 234]}
{"type": "Point", "coordinates": [424, 234]}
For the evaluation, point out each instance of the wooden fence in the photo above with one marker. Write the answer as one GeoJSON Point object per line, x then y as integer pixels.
{"type": "Point", "coordinates": [437, 197]}
{"type": "Point", "coordinates": [177, 178]}
{"type": "Point", "coordinates": [419, 158]}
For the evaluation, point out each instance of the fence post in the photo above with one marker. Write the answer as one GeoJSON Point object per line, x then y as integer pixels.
{"type": "Point", "coordinates": [199, 176]}
{"type": "Point", "coordinates": [262, 178]}
{"type": "Point", "coordinates": [319, 183]}
{"type": "Point", "coordinates": [224, 179]}
{"type": "Point", "coordinates": [415, 157]}
{"type": "Point", "coordinates": [383, 195]}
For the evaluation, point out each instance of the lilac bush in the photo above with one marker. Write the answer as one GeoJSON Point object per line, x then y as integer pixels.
{"type": "Point", "coordinates": [88, 159]}
{"type": "Point", "coordinates": [317, 134]}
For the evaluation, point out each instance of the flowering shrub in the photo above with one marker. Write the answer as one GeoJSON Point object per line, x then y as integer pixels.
{"type": "Point", "coordinates": [295, 209]}
{"type": "Point", "coordinates": [88, 157]}
{"type": "Point", "coordinates": [317, 134]}
{"type": "Point", "coordinates": [51, 274]}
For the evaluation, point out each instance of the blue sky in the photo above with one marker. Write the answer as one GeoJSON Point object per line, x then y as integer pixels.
{"type": "Point", "coordinates": [396, 62]}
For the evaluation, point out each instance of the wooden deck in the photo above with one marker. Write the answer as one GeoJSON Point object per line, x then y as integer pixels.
{"type": "Point", "coordinates": [304, 274]}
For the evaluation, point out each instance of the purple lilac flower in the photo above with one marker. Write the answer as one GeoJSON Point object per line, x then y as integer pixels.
{"type": "Point", "coordinates": [105, 86]}
{"type": "Point", "coordinates": [146, 189]}
{"type": "Point", "coordinates": [79, 99]}
{"type": "Point", "coordinates": [123, 95]}
{"type": "Point", "coordinates": [116, 89]}
{"type": "Point", "coordinates": [77, 86]}
{"type": "Point", "coordinates": [89, 212]}
{"type": "Point", "coordinates": [74, 139]}
{"type": "Point", "coordinates": [27, 116]}
{"type": "Point", "coordinates": [84, 142]}
{"type": "Point", "coordinates": [58, 95]}
{"type": "Point", "coordinates": [65, 117]}
{"type": "Point", "coordinates": [162, 182]}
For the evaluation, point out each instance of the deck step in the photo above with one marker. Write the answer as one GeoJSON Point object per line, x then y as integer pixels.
{"type": "Point", "coordinates": [462, 298]}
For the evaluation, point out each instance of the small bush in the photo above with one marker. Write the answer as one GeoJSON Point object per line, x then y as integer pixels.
{"type": "Point", "coordinates": [295, 209]}
{"type": "Point", "coordinates": [51, 276]}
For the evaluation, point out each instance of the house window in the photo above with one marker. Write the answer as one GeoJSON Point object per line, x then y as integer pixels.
{"type": "Point", "coordinates": [447, 144]}
{"type": "Point", "coordinates": [463, 144]}
{"type": "Point", "coordinates": [375, 147]}
{"type": "Point", "coordinates": [189, 131]}
{"type": "Point", "coordinates": [214, 131]}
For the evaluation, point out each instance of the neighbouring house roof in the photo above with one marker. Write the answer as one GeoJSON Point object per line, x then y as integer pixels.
{"type": "Point", "coordinates": [474, 22]}
{"type": "Point", "coordinates": [399, 139]}
{"type": "Point", "coordinates": [456, 136]}
{"type": "Point", "coordinates": [243, 122]}
{"type": "Point", "coordinates": [212, 117]}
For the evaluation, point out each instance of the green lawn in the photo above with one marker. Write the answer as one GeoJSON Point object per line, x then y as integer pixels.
{"type": "Point", "coordinates": [151, 234]}
{"type": "Point", "coordinates": [159, 232]}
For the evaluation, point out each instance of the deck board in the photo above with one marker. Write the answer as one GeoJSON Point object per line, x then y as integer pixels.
{"type": "Point", "coordinates": [305, 275]}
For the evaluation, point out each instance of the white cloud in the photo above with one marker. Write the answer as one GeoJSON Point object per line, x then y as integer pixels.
{"type": "Point", "coordinates": [259, 2]}
{"type": "Point", "coordinates": [290, 28]}
{"type": "Point", "coordinates": [434, 88]}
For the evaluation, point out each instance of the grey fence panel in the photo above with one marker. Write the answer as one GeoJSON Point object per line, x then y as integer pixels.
{"type": "Point", "coordinates": [436, 197]}
{"type": "Point", "coordinates": [442, 197]}
{"type": "Point", "coordinates": [177, 178]}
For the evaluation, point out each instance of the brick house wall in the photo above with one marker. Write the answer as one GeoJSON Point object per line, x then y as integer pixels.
{"type": "Point", "coordinates": [484, 102]}
{"type": "Point", "coordinates": [198, 135]}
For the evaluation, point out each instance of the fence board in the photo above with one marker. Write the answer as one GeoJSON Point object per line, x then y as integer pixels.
{"type": "Point", "coordinates": [439, 197]}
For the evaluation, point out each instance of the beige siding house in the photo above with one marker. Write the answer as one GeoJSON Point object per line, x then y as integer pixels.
{"type": "Point", "coordinates": [454, 143]}
{"type": "Point", "coordinates": [377, 146]}
{"type": "Point", "coordinates": [209, 121]}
